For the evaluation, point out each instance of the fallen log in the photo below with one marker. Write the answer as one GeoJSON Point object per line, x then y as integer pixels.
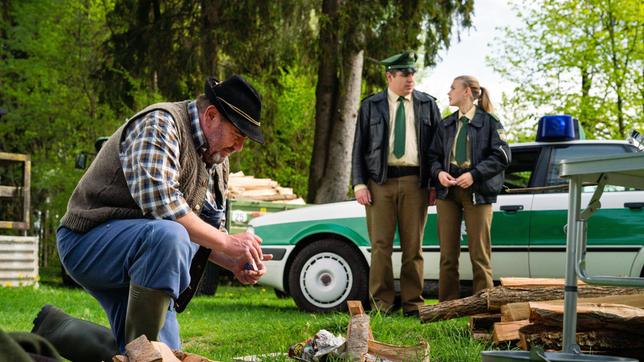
{"type": "Point", "coordinates": [519, 311]}
{"type": "Point", "coordinates": [592, 316]}
{"type": "Point", "coordinates": [491, 300]}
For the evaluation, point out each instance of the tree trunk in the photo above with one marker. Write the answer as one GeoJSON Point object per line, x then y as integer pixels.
{"type": "Point", "coordinates": [209, 18]}
{"type": "Point", "coordinates": [475, 304]}
{"type": "Point", "coordinates": [334, 184]}
{"type": "Point", "coordinates": [325, 94]}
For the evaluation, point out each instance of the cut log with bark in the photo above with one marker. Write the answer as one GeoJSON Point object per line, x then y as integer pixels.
{"type": "Point", "coordinates": [491, 300]}
{"type": "Point", "coordinates": [592, 316]}
{"type": "Point", "coordinates": [519, 311]}
{"type": "Point", "coordinates": [390, 352]}
{"type": "Point", "coordinates": [358, 337]}
{"type": "Point", "coordinates": [475, 304]}
{"type": "Point", "coordinates": [513, 282]}
{"type": "Point", "coordinates": [611, 341]}
{"type": "Point", "coordinates": [484, 322]}
{"type": "Point", "coordinates": [507, 331]}
{"type": "Point", "coordinates": [498, 296]}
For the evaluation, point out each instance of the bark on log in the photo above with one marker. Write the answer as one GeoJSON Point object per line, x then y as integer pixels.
{"type": "Point", "coordinates": [590, 341]}
{"type": "Point", "coordinates": [141, 350]}
{"type": "Point", "coordinates": [591, 316]}
{"type": "Point", "coordinates": [519, 311]}
{"type": "Point", "coordinates": [358, 337]}
{"type": "Point", "coordinates": [475, 304]}
{"type": "Point", "coordinates": [498, 296]}
{"type": "Point", "coordinates": [491, 300]}
{"type": "Point", "coordinates": [390, 352]}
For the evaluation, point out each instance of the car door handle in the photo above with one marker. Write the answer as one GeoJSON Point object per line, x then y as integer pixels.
{"type": "Point", "coordinates": [634, 205]}
{"type": "Point", "coordinates": [511, 208]}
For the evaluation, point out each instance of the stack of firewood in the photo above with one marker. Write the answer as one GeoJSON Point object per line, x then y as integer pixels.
{"type": "Point", "coordinates": [529, 312]}
{"type": "Point", "coordinates": [241, 187]}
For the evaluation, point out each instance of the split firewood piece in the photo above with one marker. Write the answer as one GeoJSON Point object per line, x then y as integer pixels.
{"type": "Point", "coordinates": [166, 353]}
{"type": "Point", "coordinates": [390, 352]}
{"type": "Point", "coordinates": [119, 358]}
{"type": "Point", "coordinates": [484, 322]}
{"type": "Point", "coordinates": [507, 331]}
{"type": "Point", "coordinates": [355, 308]}
{"type": "Point", "coordinates": [141, 350]}
{"type": "Point", "coordinates": [513, 282]}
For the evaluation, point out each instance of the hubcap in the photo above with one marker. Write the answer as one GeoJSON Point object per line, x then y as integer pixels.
{"type": "Point", "coordinates": [326, 280]}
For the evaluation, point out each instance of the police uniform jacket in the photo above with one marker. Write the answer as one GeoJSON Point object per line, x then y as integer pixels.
{"type": "Point", "coordinates": [371, 144]}
{"type": "Point", "coordinates": [489, 159]}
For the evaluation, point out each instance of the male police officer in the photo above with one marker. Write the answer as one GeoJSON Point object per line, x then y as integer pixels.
{"type": "Point", "coordinates": [391, 178]}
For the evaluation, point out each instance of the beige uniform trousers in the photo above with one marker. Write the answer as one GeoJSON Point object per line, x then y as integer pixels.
{"type": "Point", "coordinates": [399, 201]}
{"type": "Point", "coordinates": [478, 219]}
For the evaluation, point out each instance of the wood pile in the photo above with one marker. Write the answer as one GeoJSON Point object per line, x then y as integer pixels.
{"type": "Point", "coordinates": [242, 187]}
{"type": "Point", "coordinates": [529, 312]}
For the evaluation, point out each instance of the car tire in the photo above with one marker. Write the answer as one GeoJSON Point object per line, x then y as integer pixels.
{"type": "Point", "coordinates": [327, 273]}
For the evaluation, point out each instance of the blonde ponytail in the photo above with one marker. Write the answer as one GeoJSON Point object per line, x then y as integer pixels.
{"type": "Point", "coordinates": [479, 93]}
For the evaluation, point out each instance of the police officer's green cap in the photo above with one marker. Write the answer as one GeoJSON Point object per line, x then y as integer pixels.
{"type": "Point", "coordinates": [404, 60]}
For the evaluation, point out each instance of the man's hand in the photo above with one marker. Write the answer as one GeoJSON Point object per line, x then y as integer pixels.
{"type": "Point", "coordinates": [244, 246]}
{"type": "Point", "coordinates": [446, 179]}
{"type": "Point", "coordinates": [465, 180]}
{"type": "Point", "coordinates": [246, 276]}
{"type": "Point", "coordinates": [363, 196]}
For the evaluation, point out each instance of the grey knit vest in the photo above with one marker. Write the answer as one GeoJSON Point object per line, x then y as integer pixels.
{"type": "Point", "coordinates": [102, 193]}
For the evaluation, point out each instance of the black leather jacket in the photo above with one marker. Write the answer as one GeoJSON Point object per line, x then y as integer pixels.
{"type": "Point", "coordinates": [371, 143]}
{"type": "Point", "coordinates": [490, 154]}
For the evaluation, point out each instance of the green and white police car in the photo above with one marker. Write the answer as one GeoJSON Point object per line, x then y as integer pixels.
{"type": "Point", "coordinates": [322, 252]}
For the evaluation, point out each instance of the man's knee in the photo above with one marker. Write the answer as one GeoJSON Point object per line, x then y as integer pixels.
{"type": "Point", "coordinates": [168, 236]}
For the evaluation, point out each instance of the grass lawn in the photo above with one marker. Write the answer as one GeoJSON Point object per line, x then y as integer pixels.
{"type": "Point", "coordinates": [241, 321]}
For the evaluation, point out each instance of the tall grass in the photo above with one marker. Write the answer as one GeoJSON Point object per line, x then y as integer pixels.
{"type": "Point", "coordinates": [242, 321]}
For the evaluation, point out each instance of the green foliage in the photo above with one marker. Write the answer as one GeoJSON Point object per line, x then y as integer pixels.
{"type": "Point", "coordinates": [242, 321]}
{"type": "Point", "coordinates": [287, 120]}
{"type": "Point", "coordinates": [580, 57]}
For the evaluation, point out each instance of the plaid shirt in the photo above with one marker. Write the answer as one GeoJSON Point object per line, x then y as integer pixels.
{"type": "Point", "coordinates": [149, 156]}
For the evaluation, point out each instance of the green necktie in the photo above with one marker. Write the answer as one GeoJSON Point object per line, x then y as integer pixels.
{"type": "Point", "coordinates": [460, 153]}
{"type": "Point", "coordinates": [399, 129]}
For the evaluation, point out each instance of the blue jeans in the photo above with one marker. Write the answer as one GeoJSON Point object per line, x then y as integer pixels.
{"type": "Point", "coordinates": [151, 253]}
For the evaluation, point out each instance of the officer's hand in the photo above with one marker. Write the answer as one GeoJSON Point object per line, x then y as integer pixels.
{"type": "Point", "coordinates": [363, 196]}
{"type": "Point", "coordinates": [251, 276]}
{"type": "Point", "coordinates": [465, 180]}
{"type": "Point", "coordinates": [244, 246]}
{"type": "Point", "coordinates": [446, 179]}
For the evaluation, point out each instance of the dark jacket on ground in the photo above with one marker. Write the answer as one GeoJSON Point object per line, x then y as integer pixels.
{"type": "Point", "coordinates": [371, 143]}
{"type": "Point", "coordinates": [490, 154]}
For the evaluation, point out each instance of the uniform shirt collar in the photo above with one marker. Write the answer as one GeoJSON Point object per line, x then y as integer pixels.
{"type": "Point", "coordinates": [393, 97]}
{"type": "Point", "coordinates": [469, 114]}
{"type": "Point", "coordinates": [197, 132]}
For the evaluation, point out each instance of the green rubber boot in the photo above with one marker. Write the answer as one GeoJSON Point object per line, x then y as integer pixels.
{"type": "Point", "coordinates": [75, 339]}
{"type": "Point", "coordinates": [146, 311]}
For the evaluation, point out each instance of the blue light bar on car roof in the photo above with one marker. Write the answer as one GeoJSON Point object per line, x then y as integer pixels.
{"type": "Point", "coordinates": [561, 127]}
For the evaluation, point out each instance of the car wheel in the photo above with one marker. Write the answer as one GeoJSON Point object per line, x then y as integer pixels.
{"type": "Point", "coordinates": [327, 273]}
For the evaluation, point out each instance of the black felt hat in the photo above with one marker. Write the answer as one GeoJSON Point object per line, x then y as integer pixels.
{"type": "Point", "coordinates": [239, 102]}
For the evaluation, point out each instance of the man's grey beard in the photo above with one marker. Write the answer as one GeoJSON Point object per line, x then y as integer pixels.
{"type": "Point", "coordinates": [214, 159]}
